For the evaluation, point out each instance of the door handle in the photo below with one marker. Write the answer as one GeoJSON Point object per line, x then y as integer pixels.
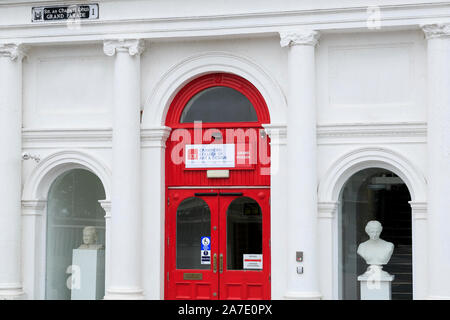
{"type": "Point", "coordinates": [215, 263]}
{"type": "Point", "coordinates": [221, 263]}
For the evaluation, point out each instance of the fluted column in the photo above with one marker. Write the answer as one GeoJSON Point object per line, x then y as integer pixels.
{"type": "Point", "coordinates": [438, 142]}
{"type": "Point", "coordinates": [302, 164]}
{"type": "Point", "coordinates": [10, 170]}
{"type": "Point", "coordinates": [126, 236]}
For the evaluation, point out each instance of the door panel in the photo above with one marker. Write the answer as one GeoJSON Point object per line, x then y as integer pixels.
{"type": "Point", "coordinates": [190, 218]}
{"type": "Point", "coordinates": [247, 231]}
{"type": "Point", "coordinates": [238, 223]}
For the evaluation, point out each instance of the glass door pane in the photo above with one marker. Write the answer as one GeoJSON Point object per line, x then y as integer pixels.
{"type": "Point", "coordinates": [193, 223]}
{"type": "Point", "coordinates": [244, 231]}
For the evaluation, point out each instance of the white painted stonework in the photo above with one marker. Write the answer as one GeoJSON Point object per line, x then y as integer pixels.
{"type": "Point", "coordinates": [346, 90]}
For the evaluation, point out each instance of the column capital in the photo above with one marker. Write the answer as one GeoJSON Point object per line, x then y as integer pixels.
{"type": "Point", "coordinates": [419, 210]}
{"type": "Point", "coordinates": [327, 209]}
{"type": "Point", "coordinates": [133, 46]}
{"type": "Point", "coordinates": [276, 132]}
{"type": "Point", "coordinates": [154, 137]}
{"type": "Point", "coordinates": [106, 205]}
{"type": "Point", "coordinates": [436, 30]}
{"type": "Point", "coordinates": [33, 207]}
{"type": "Point", "coordinates": [12, 51]}
{"type": "Point", "coordinates": [299, 37]}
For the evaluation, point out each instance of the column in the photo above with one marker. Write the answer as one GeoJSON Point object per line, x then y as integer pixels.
{"type": "Point", "coordinates": [106, 205]}
{"type": "Point", "coordinates": [278, 206]}
{"type": "Point", "coordinates": [438, 143]}
{"type": "Point", "coordinates": [327, 212]}
{"type": "Point", "coordinates": [10, 170]}
{"type": "Point", "coordinates": [33, 212]}
{"type": "Point", "coordinates": [153, 209]}
{"type": "Point", "coordinates": [125, 271]}
{"type": "Point", "coordinates": [420, 249]}
{"type": "Point", "coordinates": [302, 163]}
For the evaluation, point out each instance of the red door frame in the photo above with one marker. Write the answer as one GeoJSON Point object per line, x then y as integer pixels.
{"type": "Point", "coordinates": [217, 282]}
{"type": "Point", "coordinates": [249, 177]}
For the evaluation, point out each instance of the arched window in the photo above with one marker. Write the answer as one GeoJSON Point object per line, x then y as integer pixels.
{"type": "Point", "coordinates": [218, 98]}
{"type": "Point", "coordinates": [375, 194]}
{"type": "Point", "coordinates": [219, 104]}
{"type": "Point", "coordinates": [72, 206]}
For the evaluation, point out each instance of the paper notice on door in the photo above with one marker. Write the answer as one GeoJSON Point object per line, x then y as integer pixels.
{"type": "Point", "coordinates": [253, 261]}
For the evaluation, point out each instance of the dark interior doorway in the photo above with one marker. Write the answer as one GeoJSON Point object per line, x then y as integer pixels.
{"type": "Point", "coordinates": [375, 194]}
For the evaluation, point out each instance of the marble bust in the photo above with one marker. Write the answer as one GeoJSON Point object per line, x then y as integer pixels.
{"type": "Point", "coordinates": [375, 251]}
{"type": "Point", "coordinates": [90, 239]}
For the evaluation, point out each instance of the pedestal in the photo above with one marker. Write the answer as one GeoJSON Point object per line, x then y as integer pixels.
{"type": "Point", "coordinates": [375, 284]}
{"type": "Point", "coordinates": [88, 267]}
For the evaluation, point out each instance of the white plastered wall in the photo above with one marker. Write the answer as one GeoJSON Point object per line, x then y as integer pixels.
{"type": "Point", "coordinates": [67, 106]}
{"type": "Point", "coordinates": [371, 100]}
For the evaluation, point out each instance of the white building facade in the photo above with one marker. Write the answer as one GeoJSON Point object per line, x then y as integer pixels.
{"type": "Point", "coordinates": [358, 96]}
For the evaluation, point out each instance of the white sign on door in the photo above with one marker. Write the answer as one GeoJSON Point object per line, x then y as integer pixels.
{"type": "Point", "coordinates": [253, 261]}
{"type": "Point", "coordinates": [210, 156]}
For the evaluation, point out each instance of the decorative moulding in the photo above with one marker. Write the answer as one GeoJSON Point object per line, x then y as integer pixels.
{"type": "Point", "coordinates": [372, 129]}
{"type": "Point", "coordinates": [13, 51]}
{"type": "Point", "coordinates": [368, 157]}
{"type": "Point", "coordinates": [299, 37]}
{"type": "Point", "coordinates": [419, 210]}
{"type": "Point", "coordinates": [327, 209]}
{"type": "Point", "coordinates": [154, 136]}
{"type": "Point", "coordinates": [33, 207]}
{"type": "Point", "coordinates": [277, 133]}
{"type": "Point", "coordinates": [134, 47]}
{"type": "Point", "coordinates": [436, 30]}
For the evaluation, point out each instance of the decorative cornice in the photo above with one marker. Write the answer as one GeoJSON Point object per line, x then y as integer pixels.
{"type": "Point", "coordinates": [106, 205]}
{"type": "Point", "coordinates": [13, 51]}
{"type": "Point", "coordinates": [436, 30]}
{"type": "Point", "coordinates": [299, 37]}
{"type": "Point", "coordinates": [350, 133]}
{"type": "Point", "coordinates": [419, 210]}
{"type": "Point", "coordinates": [154, 137]}
{"type": "Point", "coordinates": [276, 132]}
{"type": "Point", "coordinates": [33, 207]}
{"type": "Point", "coordinates": [327, 210]}
{"type": "Point", "coordinates": [134, 46]}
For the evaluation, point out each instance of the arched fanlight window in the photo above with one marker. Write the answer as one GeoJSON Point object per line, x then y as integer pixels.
{"type": "Point", "coordinates": [218, 98]}
{"type": "Point", "coordinates": [219, 104]}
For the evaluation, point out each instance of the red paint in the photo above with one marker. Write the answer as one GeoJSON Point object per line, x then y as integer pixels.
{"type": "Point", "coordinates": [230, 284]}
{"type": "Point", "coordinates": [254, 171]}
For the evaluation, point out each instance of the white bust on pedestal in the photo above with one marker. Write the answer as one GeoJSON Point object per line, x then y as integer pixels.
{"type": "Point", "coordinates": [90, 239]}
{"type": "Point", "coordinates": [89, 259]}
{"type": "Point", "coordinates": [375, 283]}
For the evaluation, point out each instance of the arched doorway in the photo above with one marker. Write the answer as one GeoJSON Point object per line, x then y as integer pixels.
{"type": "Point", "coordinates": [218, 190]}
{"type": "Point", "coordinates": [375, 194]}
{"type": "Point", "coordinates": [72, 205]}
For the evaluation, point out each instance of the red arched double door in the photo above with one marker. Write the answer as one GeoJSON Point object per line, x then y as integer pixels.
{"type": "Point", "coordinates": [218, 192]}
